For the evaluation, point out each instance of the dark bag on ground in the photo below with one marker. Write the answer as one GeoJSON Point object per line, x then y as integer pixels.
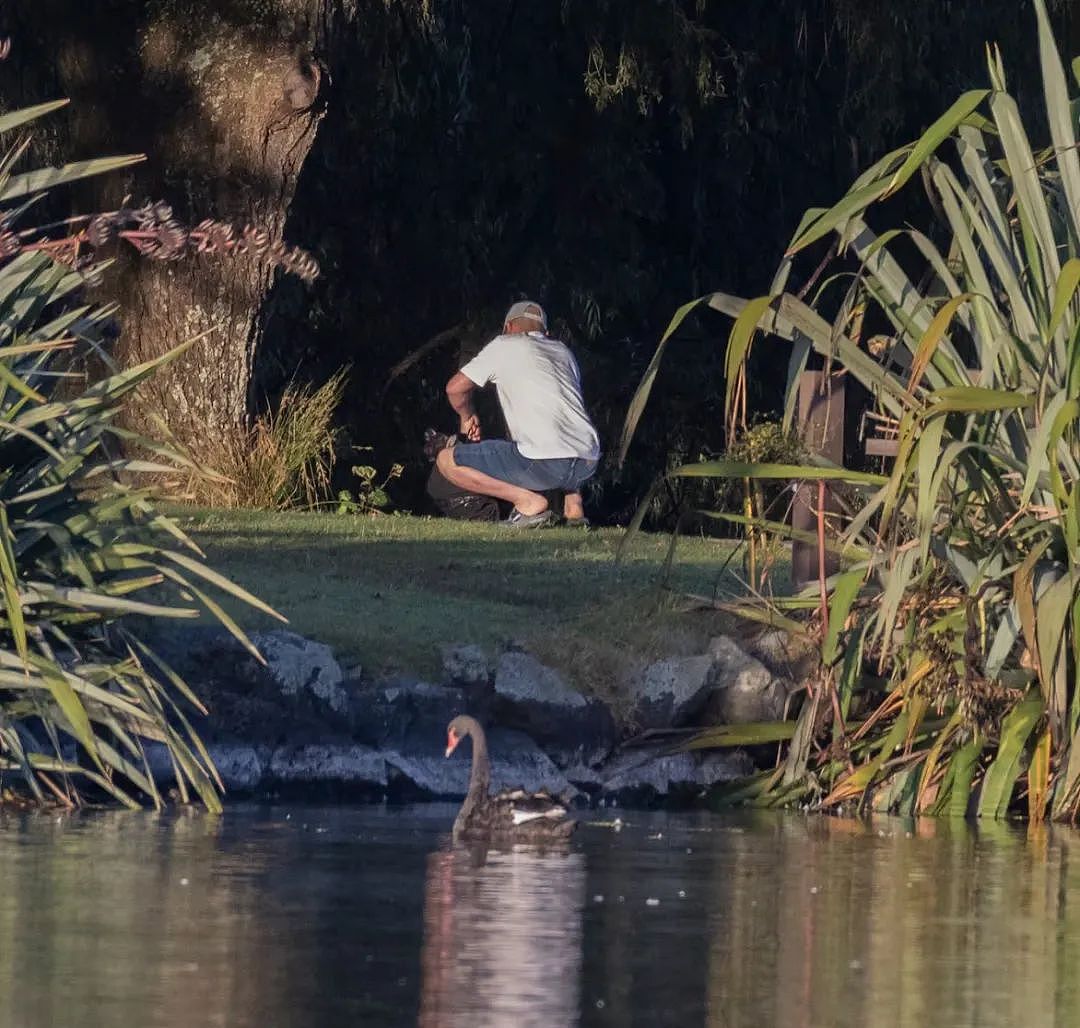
{"type": "Point", "coordinates": [449, 500]}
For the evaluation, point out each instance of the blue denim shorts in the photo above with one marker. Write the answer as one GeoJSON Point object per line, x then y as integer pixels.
{"type": "Point", "coordinates": [501, 459]}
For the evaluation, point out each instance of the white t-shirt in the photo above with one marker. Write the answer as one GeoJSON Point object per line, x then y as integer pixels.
{"type": "Point", "coordinates": [539, 387]}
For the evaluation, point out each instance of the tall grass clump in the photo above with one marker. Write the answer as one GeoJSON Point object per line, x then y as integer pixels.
{"type": "Point", "coordinates": [949, 639]}
{"type": "Point", "coordinates": [283, 458]}
{"type": "Point", "coordinates": [85, 559]}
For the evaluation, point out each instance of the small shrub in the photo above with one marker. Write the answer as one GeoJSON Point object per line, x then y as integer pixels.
{"type": "Point", "coordinates": [371, 496]}
{"type": "Point", "coordinates": [284, 458]}
{"type": "Point", "coordinates": [764, 441]}
{"type": "Point", "coordinates": [767, 442]}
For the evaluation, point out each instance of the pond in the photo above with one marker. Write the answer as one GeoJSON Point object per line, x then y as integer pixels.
{"type": "Point", "coordinates": [280, 917]}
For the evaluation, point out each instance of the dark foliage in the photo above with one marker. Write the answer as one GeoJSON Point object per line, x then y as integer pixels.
{"type": "Point", "coordinates": [607, 165]}
{"type": "Point", "coordinates": [609, 158]}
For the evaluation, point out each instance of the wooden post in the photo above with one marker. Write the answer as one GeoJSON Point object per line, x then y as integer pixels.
{"type": "Point", "coordinates": [821, 425]}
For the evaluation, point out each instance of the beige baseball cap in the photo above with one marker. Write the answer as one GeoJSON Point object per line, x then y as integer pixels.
{"type": "Point", "coordinates": [529, 311]}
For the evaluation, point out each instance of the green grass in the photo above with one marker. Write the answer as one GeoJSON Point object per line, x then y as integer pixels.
{"type": "Point", "coordinates": [388, 592]}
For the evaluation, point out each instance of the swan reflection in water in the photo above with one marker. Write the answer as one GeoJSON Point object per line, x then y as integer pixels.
{"type": "Point", "coordinates": [502, 938]}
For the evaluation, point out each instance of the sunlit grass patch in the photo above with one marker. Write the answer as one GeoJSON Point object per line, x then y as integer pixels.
{"type": "Point", "coordinates": [389, 592]}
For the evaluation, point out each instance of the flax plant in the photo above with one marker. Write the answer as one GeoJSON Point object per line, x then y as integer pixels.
{"type": "Point", "coordinates": [950, 638]}
{"type": "Point", "coordinates": [84, 557]}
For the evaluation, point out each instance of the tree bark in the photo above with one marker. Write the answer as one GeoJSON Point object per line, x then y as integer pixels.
{"type": "Point", "coordinates": [207, 89]}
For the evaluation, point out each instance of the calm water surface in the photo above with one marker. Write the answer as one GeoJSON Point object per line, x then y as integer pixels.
{"type": "Point", "coordinates": [280, 917]}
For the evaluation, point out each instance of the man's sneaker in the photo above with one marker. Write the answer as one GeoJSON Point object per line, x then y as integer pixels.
{"type": "Point", "coordinates": [519, 520]}
{"type": "Point", "coordinates": [581, 522]}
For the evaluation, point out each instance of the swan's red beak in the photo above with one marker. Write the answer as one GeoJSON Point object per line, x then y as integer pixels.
{"type": "Point", "coordinates": [452, 739]}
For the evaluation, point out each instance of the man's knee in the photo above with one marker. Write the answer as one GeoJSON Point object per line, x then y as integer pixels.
{"type": "Point", "coordinates": [445, 462]}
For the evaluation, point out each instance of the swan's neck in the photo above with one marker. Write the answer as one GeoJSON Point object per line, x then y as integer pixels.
{"type": "Point", "coordinates": [480, 778]}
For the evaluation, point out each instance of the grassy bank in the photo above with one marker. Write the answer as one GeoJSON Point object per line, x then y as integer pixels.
{"type": "Point", "coordinates": [388, 592]}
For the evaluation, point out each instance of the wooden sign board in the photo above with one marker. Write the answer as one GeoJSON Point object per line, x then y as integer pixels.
{"type": "Point", "coordinates": [879, 446]}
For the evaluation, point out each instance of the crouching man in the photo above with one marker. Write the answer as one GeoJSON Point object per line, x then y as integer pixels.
{"type": "Point", "coordinates": [553, 444]}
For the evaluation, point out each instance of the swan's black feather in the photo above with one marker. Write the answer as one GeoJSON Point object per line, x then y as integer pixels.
{"type": "Point", "coordinates": [512, 814]}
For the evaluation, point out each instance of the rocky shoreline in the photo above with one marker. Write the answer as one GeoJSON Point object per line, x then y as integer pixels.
{"type": "Point", "coordinates": [303, 726]}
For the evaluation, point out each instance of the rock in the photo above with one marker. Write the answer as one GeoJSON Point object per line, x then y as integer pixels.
{"type": "Point", "coordinates": [535, 698]}
{"type": "Point", "coordinates": [157, 759]}
{"type": "Point", "coordinates": [723, 766]}
{"type": "Point", "coordinates": [359, 768]}
{"type": "Point", "coordinates": [521, 679]}
{"type": "Point", "coordinates": [671, 692]}
{"type": "Point", "coordinates": [657, 775]}
{"type": "Point", "coordinates": [745, 689]}
{"type": "Point", "coordinates": [301, 665]}
{"type": "Point", "coordinates": [239, 765]}
{"type": "Point", "coordinates": [246, 700]}
{"type": "Point", "coordinates": [34, 740]}
{"type": "Point", "coordinates": [784, 654]}
{"type": "Point", "coordinates": [771, 647]}
{"type": "Point", "coordinates": [466, 664]}
{"type": "Point", "coordinates": [583, 776]}
{"type": "Point", "coordinates": [515, 761]}
{"type": "Point", "coordinates": [638, 778]}
{"type": "Point", "coordinates": [297, 726]}
{"type": "Point", "coordinates": [725, 685]}
{"type": "Point", "coordinates": [404, 715]}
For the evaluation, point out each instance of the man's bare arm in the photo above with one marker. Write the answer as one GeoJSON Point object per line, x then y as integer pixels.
{"type": "Point", "coordinates": [459, 392]}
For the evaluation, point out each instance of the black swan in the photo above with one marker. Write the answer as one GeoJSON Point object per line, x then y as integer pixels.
{"type": "Point", "coordinates": [511, 815]}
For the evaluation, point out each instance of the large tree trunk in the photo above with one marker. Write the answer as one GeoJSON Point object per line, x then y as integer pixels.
{"type": "Point", "coordinates": [236, 100]}
{"type": "Point", "coordinates": [208, 89]}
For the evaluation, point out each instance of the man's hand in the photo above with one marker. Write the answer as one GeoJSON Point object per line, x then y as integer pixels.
{"type": "Point", "coordinates": [470, 428]}
{"type": "Point", "coordinates": [459, 392]}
